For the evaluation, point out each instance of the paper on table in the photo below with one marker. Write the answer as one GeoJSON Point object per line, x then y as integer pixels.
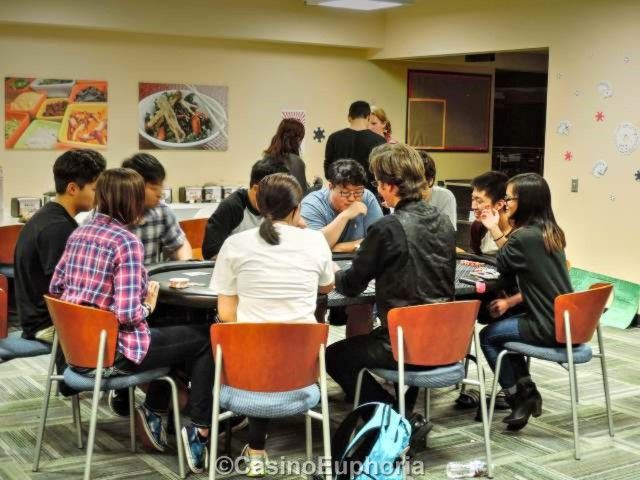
{"type": "Point", "coordinates": [194, 274]}
{"type": "Point", "coordinates": [626, 296]}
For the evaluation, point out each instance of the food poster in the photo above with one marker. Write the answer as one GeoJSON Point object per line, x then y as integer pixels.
{"type": "Point", "coordinates": [182, 116]}
{"type": "Point", "coordinates": [54, 113]}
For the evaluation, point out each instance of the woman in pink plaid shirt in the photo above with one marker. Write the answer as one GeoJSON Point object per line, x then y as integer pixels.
{"type": "Point", "coordinates": [102, 266]}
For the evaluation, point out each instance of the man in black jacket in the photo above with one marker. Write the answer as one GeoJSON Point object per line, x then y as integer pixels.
{"type": "Point", "coordinates": [410, 254]}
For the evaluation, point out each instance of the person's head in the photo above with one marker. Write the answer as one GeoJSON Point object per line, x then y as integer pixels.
{"type": "Point", "coordinates": [346, 183]}
{"type": "Point", "coordinates": [153, 173]}
{"type": "Point", "coordinates": [429, 168]}
{"type": "Point", "coordinates": [399, 172]}
{"type": "Point", "coordinates": [75, 173]}
{"type": "Point", "coordinates": [120, 195]}
{"type": "Point", "coordinates": [488, 192]}
{"type": "Point", "coordinates": [279, 197]}
{"type": "Point", "coordinates": [287, 139]}
{"type": "Point", "coordinates": [528, 202]}
{"type": "Point", "coordinates": [379, 122]}
{"type": "Point", "coordinates": [359, 110]}
{"type": "Point", "coordinates": [261, 169]}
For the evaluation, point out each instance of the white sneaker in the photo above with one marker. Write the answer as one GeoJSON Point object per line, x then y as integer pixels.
{"type": "Point", "coordinates": [256, 464]}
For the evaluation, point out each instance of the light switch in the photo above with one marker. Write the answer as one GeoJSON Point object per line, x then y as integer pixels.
{"type": "Point", "coordinates": [574, 185]}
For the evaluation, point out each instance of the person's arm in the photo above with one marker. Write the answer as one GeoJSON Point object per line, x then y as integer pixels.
{"type": "Point", "coordinates": [222, 222]}
{"type": "Point", "coordinates": [512, 256]}
{"type": "Point", "coordinates": [499, 306]}
{"type": "Point", "coordinates": [490, 218]}
{"type": "Point", "coordinates": [346, 247]}
{"type": "Point", "coordinates": [328, 155]}
{"type": "Point", "coordinates": [224, 282]}
{"type": "Point", "coordinates": [326, 281]}
{"type": "Point", "coordinates": [333, 231]}
{"type": "Point", "coordinates": [185, 252]}
{"type": "Point", "coordinates": [50, 245]}
{"type": "Point", "coordinates": [227, 308]}
{"type": "Point", "coordinates": [450, 209]}
{"type": "Point", "coordinates": [129, 283]}
{"type": "Point", "coordinates": [56, 285]}
{"type": "Point", "coordinates": [174, 242]}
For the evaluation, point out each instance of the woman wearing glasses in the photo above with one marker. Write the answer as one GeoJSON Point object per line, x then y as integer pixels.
{"type": "Point", "coordinates": [534, 253]}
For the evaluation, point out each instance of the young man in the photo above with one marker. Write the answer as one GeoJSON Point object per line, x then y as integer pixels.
{"type": "Point", "coordinates": [355, 142]}
{"type": "Point", "coordinates": [344, 210]}
{"type": "Point", "coordinates": [43, 238]}
{"type": "Point", "coordinates": [488, 193]}
{"type": "Point", "coordinates": [159, 229]}
{"type": "Point", "coordinates": [411, 256]}
{"type": "Point", "coordinates": [441, 198]}
{"type": "Point", "coordinates": [239, 211]}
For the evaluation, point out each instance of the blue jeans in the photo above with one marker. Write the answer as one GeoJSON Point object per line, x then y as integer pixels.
{"type": "Point", "coordinates": [492, 340]}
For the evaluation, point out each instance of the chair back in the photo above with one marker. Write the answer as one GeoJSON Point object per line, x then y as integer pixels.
{"type": "Point", "coordinates": [269, 357]}
{"type": "Point", "coordinates": [434, 334]}
{"type": "Point", "coordinates": [194, 231]}
{"type": "Point", "coordinates": [585, 309]}
{"type": "Point", "coordinates": [4, 309]}
{"type": "Point", "coordinates": [78, 328]}
{"type": "Point", "coordinates": [8, 239]}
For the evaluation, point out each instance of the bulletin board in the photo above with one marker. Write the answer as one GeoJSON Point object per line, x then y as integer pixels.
{"type": "Point", "coordinates": [448, 111]}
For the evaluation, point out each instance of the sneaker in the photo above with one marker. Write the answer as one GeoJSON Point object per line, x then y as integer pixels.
{"type": "Point", "coordinates": [195, 449]}
{"type": "Point", "coordinates": [118, 401]}
{"type": "Point", "coordinates": [256, 465]}
{"type": "Point", "coordinates": [237, 423]}
{"type": "Point", "coordinates": [151, 424]}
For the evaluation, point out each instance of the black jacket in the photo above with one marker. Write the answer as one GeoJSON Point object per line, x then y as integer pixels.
{"type": "Point", "coordinates": [411, 255]}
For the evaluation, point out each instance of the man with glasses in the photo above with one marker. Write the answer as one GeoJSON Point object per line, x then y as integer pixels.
{"type": "Point", "coordinates": [489, 191]}
{"type": "Point", "coordinates": [345, 209]}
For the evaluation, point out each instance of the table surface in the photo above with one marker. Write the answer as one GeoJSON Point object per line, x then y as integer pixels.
{"type": "Point", "coordinates": [198, 294]}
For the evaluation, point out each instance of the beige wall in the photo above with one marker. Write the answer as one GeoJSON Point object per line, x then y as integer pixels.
{"type": "Point", "coordinates": [587, 43]}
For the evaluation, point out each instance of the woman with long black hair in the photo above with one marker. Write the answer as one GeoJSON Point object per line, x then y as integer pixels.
{"type": "Point", "coordinates": [534, 253]}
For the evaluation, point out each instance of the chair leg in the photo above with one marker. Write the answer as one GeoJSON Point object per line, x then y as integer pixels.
{"type": "Point", "coordinates": [132, 418]}
{"type": "Point", "coordinates": [324, 396]}
{"type": "Point", "coordinates": [215, 414]}
{"type": "Point", "coordinates": [77, 419]}
{"type": "Point", "coordinates": [605, 381]}
{"type": "Point", "coordinates": [494, 389]}
{"type": "Point", "coordinates": [573, 382]}
{"type": "Point", "coordinates": [356, 397]}
{"type": "Point", "coordinates": [176, 423]}
{"type": "Point", "coordinates": [483, 407]}
{"type": "Point", "coordinates": [309, 438]}
{"type": "Point", "coordinates": [45, 404]}
{"type": "Point", "coordinates": [427, 410]}
{"type": "Point", "coordinates": [94, 405]}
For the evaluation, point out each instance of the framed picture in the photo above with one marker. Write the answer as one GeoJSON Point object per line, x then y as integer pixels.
{"type": "Point", "coordinates": [448, 111]}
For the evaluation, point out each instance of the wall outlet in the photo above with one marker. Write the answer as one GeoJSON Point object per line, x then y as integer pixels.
{"type": "Point", "coordinates": [574, 185]}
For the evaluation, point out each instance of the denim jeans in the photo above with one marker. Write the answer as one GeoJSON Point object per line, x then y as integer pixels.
{"type": "Point", "coordinates": [492, 340]}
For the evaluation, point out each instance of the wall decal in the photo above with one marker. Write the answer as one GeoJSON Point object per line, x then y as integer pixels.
{"type": "Point", "coordinates": [599, 169]}
{"type": "Point", "coordinates": [568, 156]}
{"type": "Point", "coordinates": [564, 127]}
{"type": "Point", "coordinates": [627, 138]}
{"type": "Point", "coordinates": [599, 117]}
{"type": "Point", "coordinates": [605, 89]}
{"type": "Point", "coordinates": [318, 134]}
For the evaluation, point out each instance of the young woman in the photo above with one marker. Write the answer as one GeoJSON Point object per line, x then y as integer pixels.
{"type": "Point", "coordinates": [380, 124]}
{"type": "Point", "coordinates": [272, 273]}
{"type": "Point", "coordinates": [285, 148]}
{"type": "Point", "coordinates": [534, 253]}
{"type": "Point", "coordinates": [102, 266]}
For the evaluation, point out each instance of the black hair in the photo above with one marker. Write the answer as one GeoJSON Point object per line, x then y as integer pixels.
{"type": "Point", "coordinates": [264, 167]}
{"type": "Point", "coordinates": [494, 184]}
{"type": "Point", "coordinates": [429, 167]}
{"type": "Point", "coordinates": [147, 166]}
{"type": "Point", "coordinates": [347, 172]}
{"type": "Point", "coordinates": [359, 109]}
{"type": "Point", "coordinates": [533, 195]}
{"type": "Point", "coordinates": [278, 195]}
{"type": "Point", "coordinates": [80, 166]}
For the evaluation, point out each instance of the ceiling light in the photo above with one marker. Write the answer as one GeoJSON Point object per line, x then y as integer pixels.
{"type": "Point", "coordinates": [360, 4]}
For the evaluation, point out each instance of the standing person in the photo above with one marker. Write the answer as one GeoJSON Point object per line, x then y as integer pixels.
{"type": "Point", "coordinates": [239, 211]}
{"type": "Point", "coordinates": [534, 253]}
{"type": "Point", "coordinates": [102, 266]}
{"type": "Point", "coordinates": [354, 142]}
{"type": "Point", "coordinates": [272, 273]}
{"type": "Point", "coordinates": [285, 148]}
{"type": "Point", "coordinates": [441, 198]}
{"type": "Point", "coordinates": [411, 256]}
{"type": "Point", "coordinates": [379, 123]}
{"type": "Point", "coordinates": [159, 229]}
{"type": "Point", "coordinates": [43, 238]}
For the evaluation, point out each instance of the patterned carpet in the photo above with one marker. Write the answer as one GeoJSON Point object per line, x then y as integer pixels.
{"type": "Point", "coordinates": [542, 451]}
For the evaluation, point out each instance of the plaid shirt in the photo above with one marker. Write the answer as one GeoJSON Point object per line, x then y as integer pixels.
{"type": "Point", "coordinates": [159, 230]}
{"type": "Point", "coordinates": [102, 266]}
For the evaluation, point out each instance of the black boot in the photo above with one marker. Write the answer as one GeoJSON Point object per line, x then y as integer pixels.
{"type": "Point", "coordinates": [527, 402]}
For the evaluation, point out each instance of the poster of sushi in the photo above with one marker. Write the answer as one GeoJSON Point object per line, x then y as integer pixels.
{"type": "Point", "coordinates": [54, 113]}
{"type": "Point", "coordinates": [182, 116]}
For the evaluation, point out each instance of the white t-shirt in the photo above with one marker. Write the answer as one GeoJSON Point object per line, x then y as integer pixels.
{"type": "Point", "coordinates": [487, 245]}
{"type": "Point", "coordinates": [274, 283]}
{"type": "Point", "coordinates": [444, 200]}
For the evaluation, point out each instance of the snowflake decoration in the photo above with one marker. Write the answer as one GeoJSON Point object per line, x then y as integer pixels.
{"type": "Point", "coordinates": [318, 134]}
{"type": "Point", "coordinates": [577, 93]}
{"type": "Point", "coordinates": [638, 176]}
{"type": "Point", "coordinates": [612, 197]}
{"type": "Point", "coordinates": [627, 59]}
{"type": "Point", "coordinates": [559, 76]}
{"type": "Point", "coordinates": [568, 156]}
{"type": "Point", "coordinates": [599, 117]}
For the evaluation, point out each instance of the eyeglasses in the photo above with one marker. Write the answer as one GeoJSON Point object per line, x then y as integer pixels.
{"type": "Point", "coordinates": [508, 199]}
{"type": "Point", "coordinates": [347, 193]}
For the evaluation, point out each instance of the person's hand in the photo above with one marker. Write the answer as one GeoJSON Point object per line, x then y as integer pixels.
{"type": "Point", "coordinates": [498, 307]}
{"type": "Point", "coordinates": [355, 209]}
{"type": "Point", "coordinates": [356, 245]}
{"type": "Point", "coordinates": [152, 294]}
{"type": "Point", "coordinates": [490, 218]}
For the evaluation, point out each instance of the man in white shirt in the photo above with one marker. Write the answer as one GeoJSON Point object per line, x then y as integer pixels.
{"type": "Point", "coordinates": [441, 198]}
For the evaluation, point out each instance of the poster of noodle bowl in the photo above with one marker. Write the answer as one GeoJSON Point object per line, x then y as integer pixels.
{"type": "Point", "coordinates": [182, 116]}
{"type": "Point", "coordinates": [55, 113]}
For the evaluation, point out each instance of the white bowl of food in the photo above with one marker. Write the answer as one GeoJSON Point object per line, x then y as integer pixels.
{"type": "Point", "coordinates": [174, 119]}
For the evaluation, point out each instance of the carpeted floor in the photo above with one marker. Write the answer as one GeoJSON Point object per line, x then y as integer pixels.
{"type": "Point", "coordinates": [542, 451]}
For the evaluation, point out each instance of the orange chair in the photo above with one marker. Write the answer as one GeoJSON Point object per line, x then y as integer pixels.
{"type": "Point", "coordinates": [577, 318]}
{"type": "Point", "coordinates": [8, 239]}
{"type": "Point", "coordinates": [435, 335]}
{"type": "Point", "coordinates": [194, 230]}
{"type": "Point", "coordinates": [262, 372]}
{"type": "Point", "coordinates": [88, 337]}
{"type": "Point", "coordinates": [4, 310]}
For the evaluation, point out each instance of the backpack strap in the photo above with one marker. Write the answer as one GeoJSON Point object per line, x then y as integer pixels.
{"type": "Point", "coordinates": [343, 435]}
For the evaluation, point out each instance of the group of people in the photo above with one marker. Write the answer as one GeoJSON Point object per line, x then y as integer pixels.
{"type": "Point", "coordinates": [272, 244]}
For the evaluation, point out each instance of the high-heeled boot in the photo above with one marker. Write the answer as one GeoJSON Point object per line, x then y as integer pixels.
{"type": "Point", "coordinates": [526, 402]}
